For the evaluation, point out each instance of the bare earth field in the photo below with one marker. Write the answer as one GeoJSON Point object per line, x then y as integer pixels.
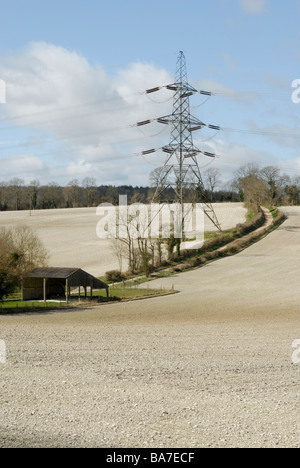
{"type": "Point", "coordinates": [208, 367]}
{"type": "Point", "coordinates": [70, 234]}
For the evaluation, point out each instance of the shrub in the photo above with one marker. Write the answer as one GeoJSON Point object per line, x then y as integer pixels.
{"type": "Point", "coordinates": [194, 262]}
{"type": "Point", "coordinates": [20, 251]}
{"type": "Point", "coordinates": [108, 299]}
{"type": "Point", "coordinates": [233, 249]}
{"type": "Point", "coordinates": [8, 284]}
{"type": "Point", "coordinates": [114, 276]}
{"type": "Point", "coordinates": [252, 225]}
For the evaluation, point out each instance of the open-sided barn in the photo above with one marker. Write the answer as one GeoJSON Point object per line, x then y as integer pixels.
{"type": "Point", "coordinates": [52, 283]}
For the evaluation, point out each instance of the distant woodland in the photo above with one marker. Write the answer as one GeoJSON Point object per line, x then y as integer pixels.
{"type": "Point", "coordinates": [15, 195]}
{"type": "Point", "coordinates": [250, 184]}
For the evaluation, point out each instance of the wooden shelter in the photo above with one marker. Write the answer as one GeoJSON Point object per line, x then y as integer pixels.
{"type": "Point", "coordinates": [56, 283]}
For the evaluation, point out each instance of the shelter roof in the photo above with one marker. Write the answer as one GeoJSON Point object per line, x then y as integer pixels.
{"type": "Point", "coordinates": [75, 276]}
{"type": "Point", "coordinates": [58, 273]}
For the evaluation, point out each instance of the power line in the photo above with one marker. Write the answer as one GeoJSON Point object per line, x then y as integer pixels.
{"type": "Point", "coordinates": [230, 93]}
{"type": "Point", "coordinates": [69, 108]}
{"type": "Point", "coordinates": [261, 132]}
{"type": "Point", "coordinates": [195, 124]}
{"type": "Point", "coordinates": [191, 91]}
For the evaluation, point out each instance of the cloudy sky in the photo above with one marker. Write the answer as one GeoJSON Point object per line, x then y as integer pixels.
{"type": "Point", "coordinates": [74, 74]}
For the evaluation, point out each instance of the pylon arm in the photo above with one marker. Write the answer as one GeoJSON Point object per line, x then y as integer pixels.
{"type": "Point", "coordinates": [144, 153]}
{"type": "Point", "coordinates": [214, 127]}
{"type": "Point", "coordinates": [145, 122]}
{"type": "Point", "coordinates": [154, 90]}
{"type": "Point", "coordinates": [188, 152]}
{"type": "Point", "coordinates": [190, 122]}
{"type": "Point", "coordinates": [206, 93]}
{"type": "Point", "coordinates": [186, 91]}
{"type": "Point", "coordinates": [185, 88]}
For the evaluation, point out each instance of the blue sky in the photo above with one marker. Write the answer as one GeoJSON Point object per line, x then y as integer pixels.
{"type": "Point", "coordinates": [74, 72]}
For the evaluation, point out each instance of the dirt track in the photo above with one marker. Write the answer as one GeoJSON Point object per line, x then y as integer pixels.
{"type": "Point", "coordinates": [209, 367]}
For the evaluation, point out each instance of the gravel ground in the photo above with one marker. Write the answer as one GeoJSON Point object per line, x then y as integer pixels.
{"type": "Point", "coordinates": [208, 367]}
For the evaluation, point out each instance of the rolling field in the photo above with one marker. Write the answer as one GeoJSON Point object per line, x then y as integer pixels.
{"type": "Point", "coordinates": [208, 367]}
{"type": "Point", "coordinates": [70, 234]}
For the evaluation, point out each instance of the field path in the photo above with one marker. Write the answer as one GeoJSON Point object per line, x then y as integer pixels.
{"type": "Point", "coordinates": [266, 273]}
{"type": "Point", "coordinates": [208, 367]}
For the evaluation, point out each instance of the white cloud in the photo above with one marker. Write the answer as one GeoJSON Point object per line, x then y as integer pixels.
{"type": "Point", "coordinates": [25, 167]}
{"type": "Point", "coordinates": [79, 114]}
{"type": "Point", "coordinates": [283, 135]}
{"type": "Point", "coordinates": [231, 156]}
{"type": "Point", "coordinates": [75, 120]}
{"type": "Point", "coordinates": [230, 93]}
{"type": "Point", "coordinates": [255, 7]}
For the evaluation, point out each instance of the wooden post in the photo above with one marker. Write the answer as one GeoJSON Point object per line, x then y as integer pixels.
{"type": "Point", "coordinates": [22, 288]}
{"type": "Point", "coordinates": [67, 290]}
{"type": "Point", "coordinates": [45, 288]}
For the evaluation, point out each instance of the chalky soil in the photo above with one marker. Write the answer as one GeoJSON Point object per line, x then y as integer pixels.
{"type": "Point", "coordinates": [208, 367]}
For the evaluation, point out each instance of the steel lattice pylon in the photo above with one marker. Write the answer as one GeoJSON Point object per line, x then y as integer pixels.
{"type": "Point", "coordinates": [181, 171]}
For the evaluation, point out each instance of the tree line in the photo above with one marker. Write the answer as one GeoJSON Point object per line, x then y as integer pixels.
{"type": "Point", "coordinates": [15, 195]}
{"type": "Point", "coordinates": [266, 186]}
{"type": "Point", "coordinates": [250, 183]}
{"type": "Point", "coordinates": [21, 250]}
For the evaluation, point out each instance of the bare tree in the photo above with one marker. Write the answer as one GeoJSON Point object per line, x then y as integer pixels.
{"type": "Point", "coordinates": [20, 251]}
{"type": "Point", "coordinates": [4, 196]}
{"type": "Point", "coordinates": [91, 194]}
{"type": "Point", "coordinates": [28, 249]}
{"type": "Point", "coordinates": [132, 231]}
{"type": "Point", "coordinates": [71, 193]}
{"type": "Point", "coordinates": [16, 185]}
{"type": "Point", "coordinates": [212, 179]}
{"type": "Point", "coordinates": [255, 191]}
{"type": "Point", "coordinates": [125, 241]}
{"type": "Point", "coordinates": [292, 191]}
{"type": "Point", "coordinates": [276, 182]}
{"type": "Point", "coordinates": [243, 177]}
{"type": "Point", "coordinates": [51, 196]}
{"type": "Point", "coordinates": [249, 169]}
{"type": "Point", "coordinates": [33, 194]}
{"type": "Point", "coordinates": [119, 249]}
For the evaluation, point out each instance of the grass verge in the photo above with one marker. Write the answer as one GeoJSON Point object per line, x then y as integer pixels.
{"type": "Point", "coordinates": [117, 294]}
{"type": "Point", "coordinates": [218, 245]}
{"type": "Point", "coordinates": [17, 306]}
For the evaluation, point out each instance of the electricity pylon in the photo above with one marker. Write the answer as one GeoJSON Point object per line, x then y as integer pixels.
{"type": "Point", "coordinates": [181, 171]}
